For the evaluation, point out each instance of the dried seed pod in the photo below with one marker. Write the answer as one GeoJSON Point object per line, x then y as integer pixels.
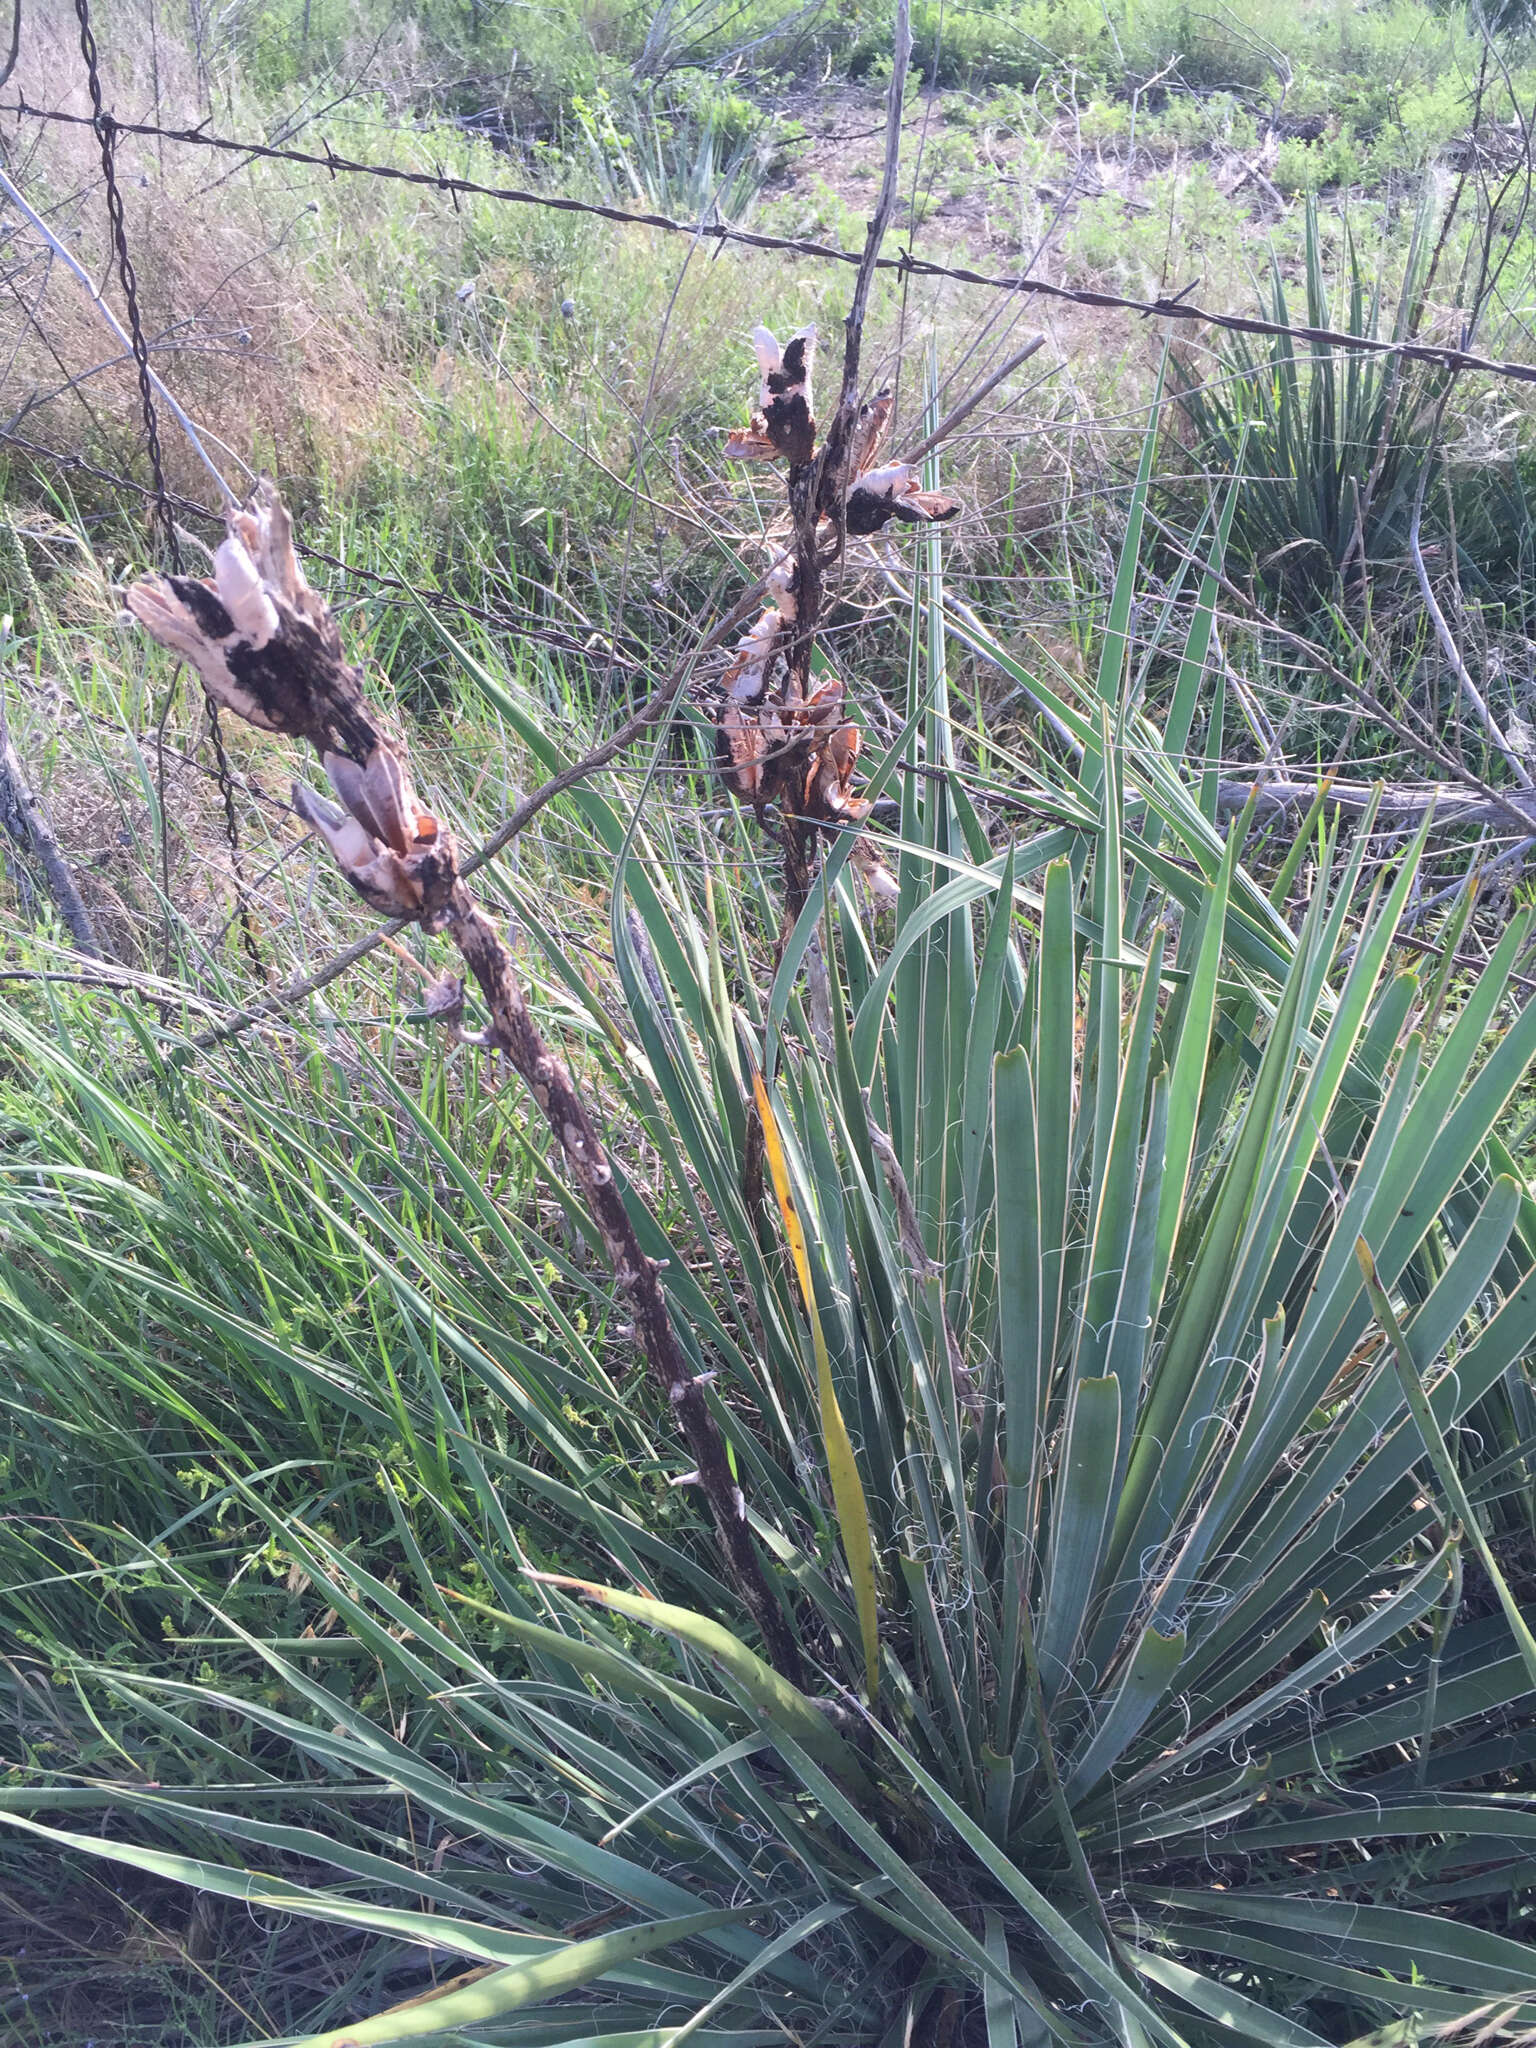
{"type": "Point", "coordinates": [843, 752]}
{"type": "Point", "coordinates": [829, 782]}
{"type": "Point", "coordinates": [873, 872]}
{"type": "Point", "coordinates": [444, 999]}
{"type": "Point", "coordinates": [263, 642]}
{"type": "Point", "coordinates": [893, 492]}
{"type": "Point", "coordinates": [750, 444]}
{"type": "Point", "coordinates": [741, 748]}
{"type": "Point", "coordinates": [784, 424]}
{"type": "Point", "coordinates": [268, 532]}
{"type": "Point", "coordinates": [869, 434]}
{"type": "Point", "coordinates": [243, 594]}
{"type": "Point", "coordinates": [746, 675]}
{"type": "Point", "coordinates": [783, 581]}
{"type": "Point", "coordinates": [189, 617]}
{"type": "Point", "coordinates": [400, 868]}
{"type": "Point", "coordinates": [354, 847]}
{"type": "Point", "coordinates": [376, 872]}
{"type": "Point", "coordinates": [379, 795]}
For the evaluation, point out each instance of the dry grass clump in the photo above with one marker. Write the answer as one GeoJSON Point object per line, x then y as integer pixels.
{"type": "Point", "coordinates": [268, 357]}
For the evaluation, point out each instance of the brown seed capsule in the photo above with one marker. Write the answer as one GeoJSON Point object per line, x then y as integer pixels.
{"type": "Point", "coordinates": [893, 492]}
{"type": "Point", "coordinates": [784, 424]}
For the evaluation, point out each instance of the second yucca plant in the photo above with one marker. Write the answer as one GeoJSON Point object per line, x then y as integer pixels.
{"type": "Point", "coordinates": [1331, 444]}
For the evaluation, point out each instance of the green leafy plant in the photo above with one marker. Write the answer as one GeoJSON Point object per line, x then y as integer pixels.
{"type": "Point", "coordinates": [1331, 443]}
{"type": "Point", "coordinates": [1149, 1702]}
{"type": "Point", "coordinates": [696, 159]}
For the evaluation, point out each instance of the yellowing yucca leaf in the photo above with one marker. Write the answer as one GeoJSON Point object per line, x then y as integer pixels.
{"type": "Point", "coordinates": [847, 1488]}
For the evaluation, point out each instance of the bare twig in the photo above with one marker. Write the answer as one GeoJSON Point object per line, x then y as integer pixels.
{"type": "Point", "coordinates": [1448, 647]}
{"type": "Point", "coordinates": [113, 980]}
{"type": "Point", "coordinates": [885, 206]}
{"type": "Point", "coordinates": [1397, 803]}
{"type": "Point", "coordinates": [1251, 613]}
{"type": "Point", "coordinates": [967, 406]}
{"type": "Point", "coordinates": [15, 51]}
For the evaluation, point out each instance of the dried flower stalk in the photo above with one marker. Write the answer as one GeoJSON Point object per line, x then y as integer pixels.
{"type": "Point", "coordinates": [266, 646]}
{"type": "Point", "coordinates": [779, 741]}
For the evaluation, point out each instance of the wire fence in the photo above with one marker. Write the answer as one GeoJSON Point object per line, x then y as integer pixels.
{"type": "Point", "coordinates": [1176, 306]}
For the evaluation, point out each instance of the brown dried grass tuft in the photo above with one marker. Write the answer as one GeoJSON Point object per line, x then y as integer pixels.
{"type": "Point", "coordinates": [269, 365]}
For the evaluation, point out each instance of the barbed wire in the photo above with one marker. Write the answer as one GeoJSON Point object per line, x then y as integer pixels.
{"type": "Point", "coordinates": [1174, 306]}
{"type": "Point", "coordinates": [107, 131]}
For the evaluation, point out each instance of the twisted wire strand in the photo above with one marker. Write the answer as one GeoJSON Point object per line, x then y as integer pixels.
{"type": "Point", "coordinates": [106, 135]}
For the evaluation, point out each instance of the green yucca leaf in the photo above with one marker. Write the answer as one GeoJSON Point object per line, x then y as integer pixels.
{"type": "Point", "coordinates": [438, 1930]}
{"type": "Point", "coordinates": [621, 1674]}
{"type": "Point", "coordinates": [1409, 1367]}
{"type": "Point", "coordinates": [1057, 1928]}
{"type": "Point", "coordinates": [772, 1696]}
{"type": "Point", "coordinates": [1080, 1515]}
{"type": "Point", "coordinates": [516, 1985]}
{"type": "Point", "coordinates": [1114, 647]}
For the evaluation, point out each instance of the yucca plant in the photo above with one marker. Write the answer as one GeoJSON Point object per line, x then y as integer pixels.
{"type": "Point", "coordinates": [1091, 1325]}
{"type": "Point", "coordinates": [1331, 443]}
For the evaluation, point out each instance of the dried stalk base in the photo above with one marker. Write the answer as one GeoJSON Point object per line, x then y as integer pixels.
{"type": "Point", "coordinates": [514, 1033]}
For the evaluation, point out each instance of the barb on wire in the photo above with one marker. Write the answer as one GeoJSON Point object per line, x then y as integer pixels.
{"type": "Point", "coordinates": [1171, 306]}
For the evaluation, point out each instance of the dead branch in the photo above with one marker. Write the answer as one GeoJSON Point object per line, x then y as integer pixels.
{"type": "Point", "coordinates": [24, 820]}
{"type": "Point", "coordinates": [780, 741]}
{"type": "Point", "coordinates": [1443, 634]}
{"type": "Point", "coordinates": [267, 648]}
{"type": "Point", "coordinates": [1250, 613]}
{"type": "Point", "coordinates": [962, 412]}
{"type": "Point", "coordinates": [15, 50]}
{"type": "Point", "coordinates": [1401, 803]}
